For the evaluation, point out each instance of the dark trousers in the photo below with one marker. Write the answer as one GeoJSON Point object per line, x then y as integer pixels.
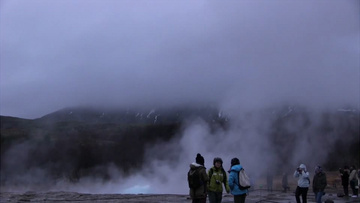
{"type": "Point", "coordinates": [215, 197]}
{"type": "Point", "coordinates": [239, 198]}
{"type": "Point", "coordinates": [353, 184]}
{"type": "Point", "coordinates": [303, 192]}
{"type": "Point", "coordinates": [346, 190]}
{"type": "Point", "coordinates": [202, 200]}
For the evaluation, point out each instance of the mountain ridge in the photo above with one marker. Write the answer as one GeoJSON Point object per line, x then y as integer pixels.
{"type": "Point", "coordinates": [75, 145]}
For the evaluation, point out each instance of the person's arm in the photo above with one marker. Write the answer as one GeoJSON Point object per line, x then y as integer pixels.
{"type": "Point", "coordinates": [231, 180]}
{"type": "Point", "coordinates": [313, 185]}
{"type": "Point", "coordinates": [296, 174]}
{"type": "Point", "coordinates": [352, 175]}
{"type": "Point", "coordinates": [305, 174]}
{"type": "Point", "coordinates": [210, 172]}
{"type": "Point", "coordinates": [205, 176]}
{"type": "Point", "coordinates": [226, 183]}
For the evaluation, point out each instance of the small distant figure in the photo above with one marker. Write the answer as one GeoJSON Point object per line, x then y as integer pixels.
{"type": "Point", "coordinates": [319, 183]}
{"type": "Point", "coordinates": [197, 179]}
{"type": "Point", "coordinates": [269, 181]}
{"type": "Point", "coordinates": [239, 195]}
{"type": "Point", "coordinates": [284, 182]}
{"type": "Point", "coordinates": [354, 181]}
{"type": "Point", "coordinates": [303, 183]}
{"type": "Point", "coordinates": [217, 178]}
{"type": "Point", "coordinates": [344, 175]}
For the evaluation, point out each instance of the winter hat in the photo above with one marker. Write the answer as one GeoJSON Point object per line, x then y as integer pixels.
{"type": "Point", "coordinates": [318, 169]}
{"type": "Point", "coordinates": [235, 161]}
{"type": "Point", "coordinates": [199, 159]}
{"type": "Point", "coordinates": [217, 159]}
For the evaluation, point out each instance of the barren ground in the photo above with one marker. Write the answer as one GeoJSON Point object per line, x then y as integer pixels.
{"type": "Point", "coordinates": [258, 194]}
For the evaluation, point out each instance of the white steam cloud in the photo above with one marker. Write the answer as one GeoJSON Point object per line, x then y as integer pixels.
{"type": "Point", "coordinates": [248, 136]}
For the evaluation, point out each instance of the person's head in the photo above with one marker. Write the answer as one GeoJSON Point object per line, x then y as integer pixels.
{"type": "Point", "coordinates": [200, 159]}
{"type": "Point", "coordinates": [217, 162]}
{"type": "Point", "coordinates": [302, 167]}
{"type": "Point", "coordinates": [235, 161]}
{"type": "Point", "coordinates": [318, 169]}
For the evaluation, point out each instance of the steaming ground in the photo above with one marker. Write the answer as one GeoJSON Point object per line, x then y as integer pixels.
{"type": "Point", "coordinates": [258, 193]}
{"type": "Point", "coordinates": [247, 136]}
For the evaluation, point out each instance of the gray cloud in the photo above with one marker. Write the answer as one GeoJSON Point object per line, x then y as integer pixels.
{"type": "Point", "coordinates": [120, 53]}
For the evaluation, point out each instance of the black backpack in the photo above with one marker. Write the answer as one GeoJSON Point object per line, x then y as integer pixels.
{"type": "Point", "coordinates": [194, 178]}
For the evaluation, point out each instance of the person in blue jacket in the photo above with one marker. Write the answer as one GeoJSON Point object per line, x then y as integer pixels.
{"type": "Point", "coordinates": [239, 195]}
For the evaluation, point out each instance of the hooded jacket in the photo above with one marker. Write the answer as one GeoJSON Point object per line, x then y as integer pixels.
{"type": "Point", "coordinates": [200, 192]}
{"type": "Point", "coordinates": [234, 180]}
{"type": "Point", "coordinates": [304, 180]}
{"type": "Point", "coordinates": [353, 175]}
{"type": "Point", "coordinates": [218, 174]}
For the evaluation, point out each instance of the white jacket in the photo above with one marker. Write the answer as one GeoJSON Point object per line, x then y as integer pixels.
{"type": "Point", "coordinates": [304, 176]}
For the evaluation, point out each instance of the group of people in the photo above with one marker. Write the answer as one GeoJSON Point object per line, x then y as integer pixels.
{"type": "Point", "coordinates": [215, 179]}
{"type": "Point", "coordinates": [318, 184]}
{"type": "Point", "coordinates": [350, 176]}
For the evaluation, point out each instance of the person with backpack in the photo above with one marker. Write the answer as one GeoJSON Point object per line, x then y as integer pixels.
{"type": "Point", "coordinates": [217, 178]}
{"type": "Point", "coordinates": [319, 183]}
{"type": "Point", "coordinates": [198, 180]}
{"type": "Point", "coordinates": [303, 183]}
{"type": "Point", "coordinates": [239, 194]}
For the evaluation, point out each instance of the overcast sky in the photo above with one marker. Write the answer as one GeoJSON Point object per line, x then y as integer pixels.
{"type": "Point", "coordinates": [63, 53]}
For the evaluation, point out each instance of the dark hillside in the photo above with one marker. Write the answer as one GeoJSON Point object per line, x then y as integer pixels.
{"type": "Point", "coordinates": [75, 143]}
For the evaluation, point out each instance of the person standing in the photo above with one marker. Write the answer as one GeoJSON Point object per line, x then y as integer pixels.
{"type": "Point", "coordinates": [269, 181]}
{"type": "Point", "coordinates": [284, 182]}
{"type": "Point", "coordinates": [197, 179]}
{"type": "Point", "coordinates": [239, 195]}
{"type": "Point", "coordinates": [319, 183]}
{"type": "Point", "coordinates": [353, 181]}
{"type": "Point", "coordinates": [303, 183]}
{"type": "Point", "coordinates": [344, 174]}
{"type": "Point", "coordinates": [217, 178]}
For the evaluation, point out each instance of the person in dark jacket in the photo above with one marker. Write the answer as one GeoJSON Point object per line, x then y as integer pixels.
{"type": "Point", "coordinates": [319, 183]}
{"type": "Point", "coordinates": [199, 194]}
{"type": "Point", "coordinates": [239, 195]}
{"type": "Point", "coordinates": [344, 174]}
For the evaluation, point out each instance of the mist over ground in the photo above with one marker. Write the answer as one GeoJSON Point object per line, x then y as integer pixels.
{"type": "Point", "coordinates": [167, 53]}
{"type": "Point", "coordinates": [151, 160]}
{"type": "Point", "coordinates": [283, 75]}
